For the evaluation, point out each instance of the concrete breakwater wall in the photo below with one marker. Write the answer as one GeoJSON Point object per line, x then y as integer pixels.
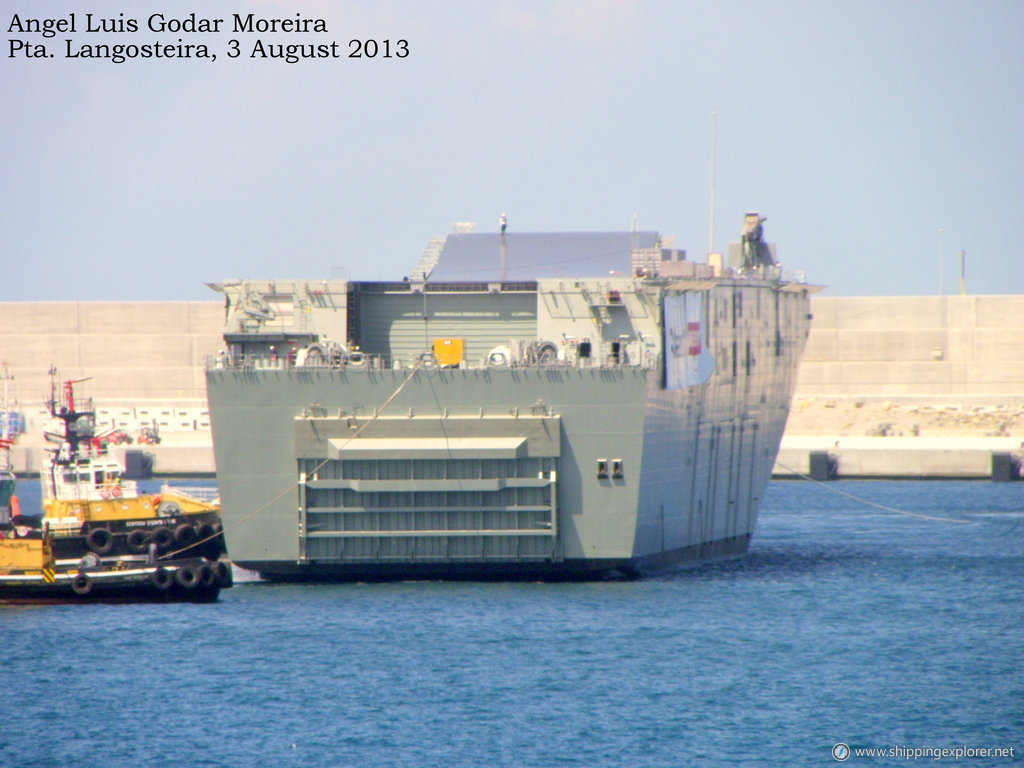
{"type": "Point", "coordinates": [132, 350]}
{"type": "Point", "coordinates": [143, 362]}
{"type": "Point", "coordinates": [958, 349]}
{"type": "Point", "coordinates": [925, 386]}
{"type": "Point", "coordinates": [934, 367]}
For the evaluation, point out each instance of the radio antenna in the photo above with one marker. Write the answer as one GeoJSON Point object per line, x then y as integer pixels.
{"type": "Point", "coordinates": [711, 217]}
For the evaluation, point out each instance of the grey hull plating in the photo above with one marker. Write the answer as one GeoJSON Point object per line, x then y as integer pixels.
{"type": "Point", "coordinates": [553, 570]}
{"type": "Point", "coordinates": [556, 429]}
{"type": "Point", "coordinates": [693, 467]}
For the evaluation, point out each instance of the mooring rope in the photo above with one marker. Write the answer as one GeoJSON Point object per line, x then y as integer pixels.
{"type": "Point", "coordinates": [872, 503]}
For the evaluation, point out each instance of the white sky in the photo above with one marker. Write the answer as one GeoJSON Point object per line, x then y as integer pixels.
{"type": "Point", "coordinates": [879, 137]}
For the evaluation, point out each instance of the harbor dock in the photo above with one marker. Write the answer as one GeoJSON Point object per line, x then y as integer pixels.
{"type": "Point", "coordinates": [915, 458]}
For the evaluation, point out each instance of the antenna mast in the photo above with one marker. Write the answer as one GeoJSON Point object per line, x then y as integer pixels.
{"type": "Point", "coordinates": [711, 217]}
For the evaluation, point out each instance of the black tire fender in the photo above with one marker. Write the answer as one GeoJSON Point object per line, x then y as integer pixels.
{"type": "Point", "coordinates": [163, 537]}
{"type": "Point", "coordinates": [81, 584]}
{"type": "Point", "coordinates": [187, 576]}
{"type": "Point", "coordinates": [138, 541]}
{"type": "Point", "coordinates": [217, 545]}
{"type": "Point", "coordinates": [207, 575]}
{"type": "Point", "coordinates": [185, 535]}
{"type": "Point", "coordinates": [161, 578]}
{"type": "Point", "coordinates": [223, 572]}
{"type": "Point", "coordinates": [100, 540]}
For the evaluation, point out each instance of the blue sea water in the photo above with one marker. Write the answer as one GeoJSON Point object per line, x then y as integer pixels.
{"type": "Point", "coordinates": [844, 624]}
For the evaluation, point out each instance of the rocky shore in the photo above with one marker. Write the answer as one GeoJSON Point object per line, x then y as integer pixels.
{"type": "Point", "coordinates": [886, 418]}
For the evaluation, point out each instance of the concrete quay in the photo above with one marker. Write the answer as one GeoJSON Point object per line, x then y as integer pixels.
{"type": "Point", "coordinates": [917, 458]}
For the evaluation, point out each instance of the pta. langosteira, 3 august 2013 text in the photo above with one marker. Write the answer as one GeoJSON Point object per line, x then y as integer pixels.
{"type": "Point", "coordinates": [120, 39]}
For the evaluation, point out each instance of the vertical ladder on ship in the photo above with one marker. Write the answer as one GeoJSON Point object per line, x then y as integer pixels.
{"type": "Point", "coordinates": [597, 305]}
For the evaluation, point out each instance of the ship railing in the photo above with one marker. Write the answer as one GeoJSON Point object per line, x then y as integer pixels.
{"type": "Point", "coordinates": [794, 276]}
{"type": "Point", "coordinates": [773, 274]}
{"type": "Point", "coordinates": [251, 363]}
{"type": "Point", "coordinates": [208, 494]}
{"type": "Point", "coordinates": [66, 525]}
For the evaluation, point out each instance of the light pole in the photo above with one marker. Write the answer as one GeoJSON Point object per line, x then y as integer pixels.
{"type": "Point", "coordinates": [941, 231]}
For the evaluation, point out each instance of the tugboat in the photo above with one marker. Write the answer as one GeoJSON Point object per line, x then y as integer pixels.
{"type": "Point", "coordinates": [8, 501]}
{"type": "Point", "coordinates": [88, 505]}
{"type": "Point", "coordinates": [29, 574]}
{"type": "Point", "coordinates": [30, 571]}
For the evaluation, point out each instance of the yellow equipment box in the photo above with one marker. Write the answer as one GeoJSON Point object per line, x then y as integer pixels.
{"type": "Point", "coordinates": [448, 352]}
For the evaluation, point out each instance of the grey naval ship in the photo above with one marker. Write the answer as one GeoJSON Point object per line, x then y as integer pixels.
{"type": "Point", "coordinates": [520, 406]}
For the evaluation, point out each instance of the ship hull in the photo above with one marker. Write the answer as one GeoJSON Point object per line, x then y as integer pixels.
{"type": "Point", "coordinates": [684, 470]}
{"type": "Point", "coordinates": [571, 426]}
{"type": "Point", "coordinates": [192, 580]}
{"type": "Point", "coordinates": [571, 570]}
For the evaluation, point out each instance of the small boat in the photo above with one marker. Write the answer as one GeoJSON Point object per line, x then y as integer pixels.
{"type": "Point", "coordinates": [29, 574]}
{"type": "Point", "coordinates": [89, 505]}
{"type": "Point", "coordinates": [30, 571]}
{"type": "Point", "coordinates": [8, 500]}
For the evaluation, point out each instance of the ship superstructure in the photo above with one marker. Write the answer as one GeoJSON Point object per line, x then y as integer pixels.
{"type": "Point", "coordinates": [559, 405]}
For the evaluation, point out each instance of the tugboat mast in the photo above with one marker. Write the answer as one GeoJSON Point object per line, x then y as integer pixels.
{"type": "Point", "coordinates": [64, 409]}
